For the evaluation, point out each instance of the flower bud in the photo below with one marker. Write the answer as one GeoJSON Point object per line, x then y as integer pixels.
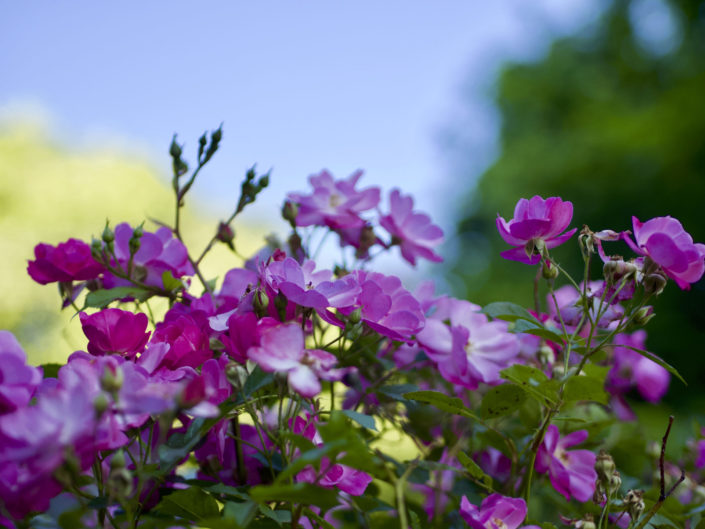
{"type": "Point", "coordinates": [615, 483]}
{"type": "Point", "coordinates": [263, 181]}
{"type": "Point", "coordinates": [586, 242]}
{"type": "Point", "coordinates": [225, 234]}
{"type": "Point", "coordinates": [260, 302]}
{"type": "Point", "coordinates": [120, 483]}
{"type": "Point", "coordinates": [654, 283]}
{"type": "Point", "coordinates": [101, 404]}
{"type": "Point", "coordinates": [617, 269]}
{"type": "Point", "coordinates": [108, 235]}
{"type": "Point", "coordinates": [634, 503]}
{"type": "Point", "coordinates": [355, 316]}
{"type": "Point", "coordinates": [548, 271]}
{"type": "Point", "coordinates": [289, 212]}
{"type": "Point", "coordinates": [643, 315]}
{"type": "Point", "coordinates": [175, 149]}
{"type": "Point", "coordinates": [586, 523]}
{"type": "Point", "coordinates": [118, 460]}
{"type": "Point", "coordinates": [236, 375]}
{"type": "Point", "coordinates": [605, 467]}
{"type": "Point", "coordinates": [134, 242]}
{"type": "Point", "coordinates": [97, 250]}
{"type": "Point", "coordinates": [112, 379]}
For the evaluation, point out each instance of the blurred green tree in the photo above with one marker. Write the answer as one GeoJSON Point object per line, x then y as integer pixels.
{"type": "Point", "coordinates": [615, 123]}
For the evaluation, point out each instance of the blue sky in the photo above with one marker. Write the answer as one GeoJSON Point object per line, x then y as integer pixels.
{"type": "Point", "coordinates": [299, 85]}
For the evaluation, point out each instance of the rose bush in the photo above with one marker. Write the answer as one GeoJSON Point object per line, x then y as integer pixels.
{"type": "Point", "coordinates": [286, 395]}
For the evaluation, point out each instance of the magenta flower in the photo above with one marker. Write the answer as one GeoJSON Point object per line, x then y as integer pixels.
{"type": "Point", "coordinates": [336, 204]}
{"type": "Point", "coordinates": [572, 473]}
{"type": "Point", "coordinates": [412, 231]}
{"type": "Point", "coordinates": [282, 349]}
{"type": "Point", "coordinates": [495, 512]}
{"type": "Point", "coordinates": [18, 381]}
{"type": "Point", "coordinates": [308, 288]}
{"type": "Point", "coordinates": [664, 240]}
{"type": "Point", "coordinates": [189, 343]}
{"type": "Point", "coordinates": [343, 477]}
{"type": "Point", "coordinates": [68, 261]}
{"type": "Point", "coordinates": [115, 331]}
{"type": "Point", "coordinates": [386, 306]}
{"type": "Point", "coordinates": [471, 349]}
{"type": "Point", "coordinates": [536, 223]}
{"type": "Point", "coordinates": [158, 252]}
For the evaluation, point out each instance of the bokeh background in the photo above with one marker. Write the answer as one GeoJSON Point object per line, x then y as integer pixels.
{"type": "Point", "coordinates": [469, 105]}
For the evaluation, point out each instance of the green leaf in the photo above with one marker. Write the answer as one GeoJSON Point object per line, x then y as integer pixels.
{"type": "Point", "coordinates": [280, 517]}
{"type": "Point", "coordinates": [366, 421]}
{"type": "Point", "coordinates": [322, 522]}
{"type": "Point", "coordinates": [179, 445]}
{"type": "Point", "coordinates": [531, 327]}
{"type": "Point", "coordinates": [169, 282]}
{"type": "Point", "coordinates": [505, 310]}
{"type": "Point", "coordinates": [533, 381]}
{"type": "Point", "coordinates": [585, 388]}
{"type": "Point", "coordinates": [51, 370]}
{"type": "Point", "coordinates": [102, 298]}
{"type": "Point", "coordinates": [476, 473]}
{"type": "Point", "coordinates": [660, 361]}
{"type": "Point", "coordinates": [303, 493]}
{"type": "Point", "coordinates": [397, 391]}
{"type": "Point", "coordinates": [443, 402]}
{"type": "Point", "coordinates": [256, 381]}
{"type": "Point", "coordinates": [502, 400]}
{"type": "Point", "coordinates": [242, 513]}
{"type": "Point", "coordinates": [192, 504]}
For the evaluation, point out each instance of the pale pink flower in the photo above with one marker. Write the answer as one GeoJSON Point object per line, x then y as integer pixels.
{"type": "Point", "coordinates": [414, 232]}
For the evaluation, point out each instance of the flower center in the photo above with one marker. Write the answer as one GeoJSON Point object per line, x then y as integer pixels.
{"type": "Point", "coordinates": [499, 523]}
{"type": "Point", "coordinates": [334, 200]}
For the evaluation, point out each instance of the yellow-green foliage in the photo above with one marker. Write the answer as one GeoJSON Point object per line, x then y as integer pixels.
{"type": "Point", "coordinates": [48, 194]}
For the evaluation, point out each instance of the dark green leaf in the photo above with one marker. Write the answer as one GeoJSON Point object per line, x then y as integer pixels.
{"type": "Point", "coordinates": [531, 327]}
{"type": "Point", "coordinates": [397, 391]}
{"type": "Point", "coordinates": [442, 402]}
{"type": "Point", "coordinates": [279, 517]}
{"type": "Point", "coordinates": [241, 513]}
{"type": "Point", "coordinates": [192, 504]}
{"type": "Point", "coordinates": [102, 298]}
{"type": "Point", "coordinates": [303, 493]}
{"type": "Point", "coordinates": [476, 473]}
{"type": "Point", "coordinates": [322, 522]}
{"type": "Point", "coordinates": [363, 420]}
{"type": "Point", "coordinates": [502, 400]}
{"type": "Point", "coordinates": [256, 381]}
{"type": "Point", "coordinates": [505, 310]}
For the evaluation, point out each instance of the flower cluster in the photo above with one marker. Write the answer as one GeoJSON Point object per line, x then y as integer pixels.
{"type": "Point", "coordinates": [292, 394]}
